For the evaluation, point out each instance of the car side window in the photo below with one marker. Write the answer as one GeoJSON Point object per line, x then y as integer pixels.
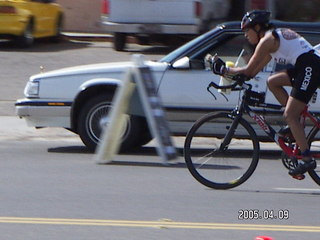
{"type": "Point", "coordinates": [313, 38]}
{"type": "Point", "coordinates": [228, 46]}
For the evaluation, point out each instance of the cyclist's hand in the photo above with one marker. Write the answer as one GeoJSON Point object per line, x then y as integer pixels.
{"type": "Point", "coordinates": [218, 66]}
{"type": "Point", "coordinates": [208, 59]}
{"type": "Point", "coordinates": [240, 78]}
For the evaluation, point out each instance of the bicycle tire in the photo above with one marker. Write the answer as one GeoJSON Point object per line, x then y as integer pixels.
{"type": "Point", "coordinates": [314, 144]}
{"type": "Point", "coordinates": [215, 168]}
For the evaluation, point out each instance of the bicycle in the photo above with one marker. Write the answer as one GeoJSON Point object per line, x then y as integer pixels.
{"type": "Point", "coordinates": [221, 149]}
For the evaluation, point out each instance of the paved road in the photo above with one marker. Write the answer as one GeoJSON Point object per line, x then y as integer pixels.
{"type": "Point", "coordinates": [51, 188]}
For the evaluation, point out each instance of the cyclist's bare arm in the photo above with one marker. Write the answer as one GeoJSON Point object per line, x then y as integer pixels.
{"type": "Point", "coordinates": [260, 58]}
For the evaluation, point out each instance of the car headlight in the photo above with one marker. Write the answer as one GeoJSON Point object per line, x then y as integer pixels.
{"type": "Point", "coordinates": [32, 89]}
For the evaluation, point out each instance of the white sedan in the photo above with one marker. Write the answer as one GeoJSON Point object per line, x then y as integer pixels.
{"type": "Point", "coordinates": [79, 98]}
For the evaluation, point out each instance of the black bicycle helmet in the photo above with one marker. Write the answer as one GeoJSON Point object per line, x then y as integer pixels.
{"type": "Point", "coordinates": [250, 19]}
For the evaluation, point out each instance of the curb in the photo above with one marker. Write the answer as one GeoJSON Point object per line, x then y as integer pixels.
{"type": "Point", "coordinates": [14, 128]}
{"type": "Point", "coordinates": [98, 37]}
{"type": "Point", "coordinates": [88, 36]}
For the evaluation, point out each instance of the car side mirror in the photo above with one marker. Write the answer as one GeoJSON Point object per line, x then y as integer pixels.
{"type": "Point", "coordinates": [186, 63]}
{"type": "Point", "coordinates": [182, 63]}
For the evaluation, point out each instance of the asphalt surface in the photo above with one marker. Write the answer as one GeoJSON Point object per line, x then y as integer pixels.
{"type": "Point", "coordinates": [52, 189]}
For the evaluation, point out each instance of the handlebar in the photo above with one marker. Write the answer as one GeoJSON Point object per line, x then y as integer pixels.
{"type": "Point", "coordinates": [238, 80]}
{"type": "Point", "coordinates": [253, 98]}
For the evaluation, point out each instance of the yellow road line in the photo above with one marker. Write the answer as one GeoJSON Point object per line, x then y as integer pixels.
{"type": "Point", "coordinates": [158, 224]}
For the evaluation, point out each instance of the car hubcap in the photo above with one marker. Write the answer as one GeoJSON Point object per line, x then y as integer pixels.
{"type": "Point", "coordinates": [98, 119]}
{"type": "Point", "coordinates": [28, 36]}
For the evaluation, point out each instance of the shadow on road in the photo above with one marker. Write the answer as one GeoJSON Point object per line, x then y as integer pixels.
{"type": "Point", "coordinates": [70, 149]}
{"type": "Point", "coordinates": [152, 151]}
{"type": "Point", "coordinates": [277, 191]}
{"type": "Point", "coordinates": [147, 164]}
{"type": "Point", "coordinates": [47, 45]}
{"type": "Point", "coordinates": [44, 45]}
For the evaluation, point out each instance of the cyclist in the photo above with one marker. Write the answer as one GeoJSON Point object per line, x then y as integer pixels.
{"type": "Point", "coordinates": [285, 47]}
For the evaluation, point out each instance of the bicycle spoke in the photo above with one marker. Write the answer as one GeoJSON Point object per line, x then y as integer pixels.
{"type": "Point", "coordinates": [200, 159]}
{"type": "Point", "coordinates": [314, 143]}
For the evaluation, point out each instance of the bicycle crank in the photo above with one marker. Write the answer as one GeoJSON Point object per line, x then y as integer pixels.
{"type": "Point", "coordinates": [299, 176]}
{"type": "Point", "coordinates": [289, 163]}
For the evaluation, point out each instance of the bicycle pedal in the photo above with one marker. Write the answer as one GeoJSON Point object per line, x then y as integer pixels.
{"type": "Point", "coordinates": [299, 176]}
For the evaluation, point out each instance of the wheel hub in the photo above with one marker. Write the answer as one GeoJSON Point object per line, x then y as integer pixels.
{"type": "Point", "coordinates": [103, 122]}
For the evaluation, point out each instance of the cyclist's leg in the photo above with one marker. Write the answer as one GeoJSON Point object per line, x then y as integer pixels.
{"type": "Point", "coordinates": [292, 114]}
{"type": "Point", "coordinates": [305, 84]}
{"type": "Point", "coordinates": [276, 83]}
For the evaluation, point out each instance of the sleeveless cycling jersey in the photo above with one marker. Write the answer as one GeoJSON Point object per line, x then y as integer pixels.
{"type": "Point", "coordinates": [292, 45]}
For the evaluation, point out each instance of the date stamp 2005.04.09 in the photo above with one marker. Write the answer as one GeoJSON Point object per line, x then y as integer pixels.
{"type": "Point", "coordinates": [256, 214]}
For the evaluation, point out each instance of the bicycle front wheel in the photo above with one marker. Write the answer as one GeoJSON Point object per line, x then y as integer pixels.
{"type": "Point", "coordinates": [314, 143]}
{"type": "Point", "coordinates": [215, 165]}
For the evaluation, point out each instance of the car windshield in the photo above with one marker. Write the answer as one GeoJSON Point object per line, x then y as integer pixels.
{"type": "Point", "coordinates": [190, 45]}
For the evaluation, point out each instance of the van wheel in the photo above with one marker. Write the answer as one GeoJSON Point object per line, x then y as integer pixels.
{"type": "Point", "coordinates": [119, 41]}
{"type": "Point", "coordinates": [94, 117]}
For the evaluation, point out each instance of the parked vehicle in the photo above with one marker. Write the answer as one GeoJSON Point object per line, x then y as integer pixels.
{"type": "Point", "coordinates": [161, 21]}
{"type": "Point", "coordinates": [25, 20]}
{"type": "Point", "coordinates": [79, 98]}
{"type": "Point", "coordinates": [170, 22]}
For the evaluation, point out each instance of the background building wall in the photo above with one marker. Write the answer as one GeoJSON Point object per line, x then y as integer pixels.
{"type": "Point", "coordinates": [81, 15]}
{"type": "Point", "coordinates": [84, 15]}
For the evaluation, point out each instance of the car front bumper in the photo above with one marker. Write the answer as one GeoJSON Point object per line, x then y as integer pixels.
{"type": "Point", "coordinates": [44, 113]}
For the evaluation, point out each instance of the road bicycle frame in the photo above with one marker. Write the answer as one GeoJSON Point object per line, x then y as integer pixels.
{"type": "Point", "coordinates": [279, 140]}
{"type": "Point", "coordinates": [210, 157]}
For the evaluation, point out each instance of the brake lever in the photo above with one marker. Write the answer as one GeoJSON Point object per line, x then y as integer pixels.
{"type": "Point", "coordinates": [224, 96]}
{"type": "Point", "coordinates": [208, 89]}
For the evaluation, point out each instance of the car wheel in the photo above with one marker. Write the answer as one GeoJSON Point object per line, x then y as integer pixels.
{"type": "Point", "coordinates": [145, 136]}
{"type": "Point", "coordinates": [59, 26]}
{"type": "Point", "coordinates": [27, 39]}
{"type": "Point", "coordinates": [94, 117]}
{"type": "Point", "coordinates": [119, 41]}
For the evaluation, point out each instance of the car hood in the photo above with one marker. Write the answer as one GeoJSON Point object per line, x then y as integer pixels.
{"type": "Point", "coordinates": [105, 68]}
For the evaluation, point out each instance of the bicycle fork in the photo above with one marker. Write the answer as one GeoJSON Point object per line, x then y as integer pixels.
{"type": "Point", "coordinates": [227, 139]}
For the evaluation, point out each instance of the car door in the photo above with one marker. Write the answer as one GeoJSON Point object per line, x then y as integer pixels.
{"type": "Point", "coordinates": [49, 16]}
{"type": "Point", "coordinates": [44, 16]}
{"type": "Point", "coordinates": [184, 90]}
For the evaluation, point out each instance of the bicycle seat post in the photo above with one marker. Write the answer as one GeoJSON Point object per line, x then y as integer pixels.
{"type": "Point", "coordinates": [303, 116]}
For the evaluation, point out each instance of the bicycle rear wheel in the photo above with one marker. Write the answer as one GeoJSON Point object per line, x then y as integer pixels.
{"type": "Point", "coordinates": [221, 168]}
{"type": "Point", "coordinates": [314, 143]}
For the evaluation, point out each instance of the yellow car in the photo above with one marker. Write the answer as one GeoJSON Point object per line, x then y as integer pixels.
{"type": "Point", "coordinates": [25, 20]}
